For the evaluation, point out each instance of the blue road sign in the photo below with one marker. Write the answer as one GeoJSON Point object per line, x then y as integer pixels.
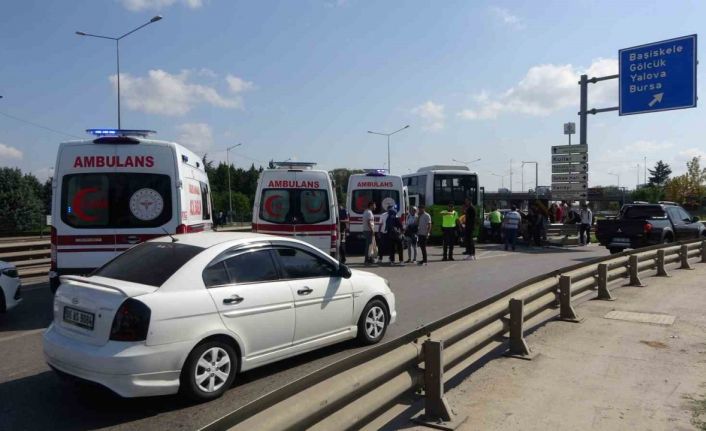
{"type": "Point", "coordinates": [658, 76]}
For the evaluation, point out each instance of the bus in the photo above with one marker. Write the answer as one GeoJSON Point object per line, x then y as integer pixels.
{"type": "Point", "coordinates": [436, 186]}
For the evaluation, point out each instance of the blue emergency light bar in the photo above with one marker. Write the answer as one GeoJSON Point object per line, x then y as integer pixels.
{"type": "Point", "coordinates": [376, 172]}
{"type": "Point", "coordinates": [119, 132]}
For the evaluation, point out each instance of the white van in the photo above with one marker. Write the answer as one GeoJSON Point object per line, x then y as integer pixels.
{"type": "Point", "coordinates": [374, 186]}
{"type": "Point", "coordinates": [118, 190]}
{"type": "Point", "coordinates": [293, 199]}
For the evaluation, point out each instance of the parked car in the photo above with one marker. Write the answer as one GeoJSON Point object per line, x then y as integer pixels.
{"type": "Point", "coordinates": [10, 287]}
{"type": "Point", "coordinates": [187, 313]}
{"type": "Point", "coordinates": [641, 225]}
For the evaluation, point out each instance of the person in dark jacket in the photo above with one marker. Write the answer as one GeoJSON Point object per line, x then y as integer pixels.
{"type": "Point", "coordinates": [470, 214]}
{"type": "Point", "coordinates": [393, 231]}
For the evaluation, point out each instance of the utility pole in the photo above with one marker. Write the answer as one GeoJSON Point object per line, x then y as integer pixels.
{"type": "Point", "coordinates": [510, 175]}
{"type": "Point", "coordinates": [645, 165]}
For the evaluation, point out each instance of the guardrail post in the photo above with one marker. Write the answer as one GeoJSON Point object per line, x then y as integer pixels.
{"type": "Point", "coordinates": [566, 310]}
{"type": "Point", "coordinates": [437, 413]}
{"type": "Point", "coordinates": [634, 271]}
{"type": "Point", "coordinates": [603, 292]}
{"type": "Point", "coordinates": [703, 251]}
{"type": "Point", "coordinates": [518, 346]}
{"type": "Point", "coordinates": [661, 270]}
{"type": "Point", "coordinates": [684, 254]}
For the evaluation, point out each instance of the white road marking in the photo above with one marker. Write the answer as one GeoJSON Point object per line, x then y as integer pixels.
{"type": "Point", "coordinates": [22, 334]}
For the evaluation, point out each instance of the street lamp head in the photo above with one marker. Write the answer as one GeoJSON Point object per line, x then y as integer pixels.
{"type": "Point", "coordinates": [80, 33]}
{"type": "Point", "coordinates": [370, 131]}
{"type": "Point", "coordinates": [406, 127]}
{"type": "Point", "coordinates": [156, 18]}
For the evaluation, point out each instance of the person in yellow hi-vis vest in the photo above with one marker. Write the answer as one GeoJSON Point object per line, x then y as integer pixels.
{"type": "Point", "coordinates": [449, 220]}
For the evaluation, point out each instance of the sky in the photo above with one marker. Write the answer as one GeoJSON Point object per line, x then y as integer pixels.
{"type": "Point", "coordinates": [306, 79]}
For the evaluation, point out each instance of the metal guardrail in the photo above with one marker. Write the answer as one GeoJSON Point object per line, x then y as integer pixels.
{"type": "Point", "coordinates": [350, 393]}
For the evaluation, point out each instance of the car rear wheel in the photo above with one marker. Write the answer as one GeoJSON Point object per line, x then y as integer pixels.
{"type": "Point", "coordinates": [209, 371]}
{"type": "Point", "coordinates": [373, 322]}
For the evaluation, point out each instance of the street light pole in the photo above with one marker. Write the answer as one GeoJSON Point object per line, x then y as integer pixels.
{"type": "Point", "coordinates": [389, 170]}
{"type": "Point", "coordinates": [617, 176]}
{"type": "Point", "coordinates": [230, 193]}
{"type": "Point", "coordinates": [117, 52]}
{"type": "Point", "coordinates": [536, 176]}
{"type": "Point", "coordinates": [502, 179]}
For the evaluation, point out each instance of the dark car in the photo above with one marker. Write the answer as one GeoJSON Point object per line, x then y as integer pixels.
{"type": "Point", "coordinates": [641, 225]}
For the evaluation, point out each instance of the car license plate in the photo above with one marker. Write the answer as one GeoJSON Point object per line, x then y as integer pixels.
{"type": "Point", "coordinates": [79, 318]}
{"type": "Point", "coordinates": [621, 240]}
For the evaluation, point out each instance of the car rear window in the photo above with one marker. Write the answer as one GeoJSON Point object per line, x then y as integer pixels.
{"type": "Point", "coordinates": [116, 200]}
{"type": "Point", "coordinates": [150, 263]}
{"type": "Point", "coordinates": [643, 212]}
{"type": "Point", "coordinates": [294, 206]}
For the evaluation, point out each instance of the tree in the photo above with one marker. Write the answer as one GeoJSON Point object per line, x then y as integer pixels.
{"type": "Point", "coordinates": [652, 194]}
{"type": "Point", "coordinates": [340, 179]}
{"type": "Point", "coordinates": [677, 189]}
{"type": "Point", "coordinates": [660, 174]}
{"type": "Point", "coordinates": [21, 204]}
{"type": "Point", "coordinates": [690, 186]}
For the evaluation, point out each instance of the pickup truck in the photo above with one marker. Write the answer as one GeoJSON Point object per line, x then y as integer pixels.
{"type": "Point", "coordinates": [641, 225]}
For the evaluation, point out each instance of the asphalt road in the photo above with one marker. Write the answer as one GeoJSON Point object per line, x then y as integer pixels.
{"type": "Point", "coordinates": [33, 397]}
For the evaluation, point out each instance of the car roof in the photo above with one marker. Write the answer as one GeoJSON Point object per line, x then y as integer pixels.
{"type": "Point", "coordinates": [209, 239]}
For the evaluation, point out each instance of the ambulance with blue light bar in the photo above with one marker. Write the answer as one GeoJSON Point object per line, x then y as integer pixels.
{"type": "Point", "coordinates": [374, 186]}
{"type": "Point", "coordinates": [117, 190]}
{"type": "Point", "coordinates": [294, 199]}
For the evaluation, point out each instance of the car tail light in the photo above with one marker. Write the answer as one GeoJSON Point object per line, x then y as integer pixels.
{"type": "Point", "coordinates": [647, 228]}
{"type": "Point", "coordinates": [54, 242]}
{"type": "Point", "coordinates": [182, 228]}
{"type": "Point", "coordinates": [131, 322]}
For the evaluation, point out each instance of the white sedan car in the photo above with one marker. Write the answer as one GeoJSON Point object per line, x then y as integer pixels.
{"type": "Point", "coordinates": [186, 314]}
{"type": "Point", "coordinates": [10, 285]}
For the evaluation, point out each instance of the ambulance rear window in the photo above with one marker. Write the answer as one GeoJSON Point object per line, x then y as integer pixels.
{"type": "Point", "coordinates": [361, 197]}
{"type": "Point", "coordinates": [294, 206]}
{"type": "Point", "coordinates": [116, 200]}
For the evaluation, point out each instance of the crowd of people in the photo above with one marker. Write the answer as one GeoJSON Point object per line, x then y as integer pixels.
{"type": "Point", "coordinates": [393, 234]}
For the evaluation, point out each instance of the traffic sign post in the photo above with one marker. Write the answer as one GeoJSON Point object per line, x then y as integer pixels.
{"type": "Point", "coordinates": [569, 178]}
{"type": "Point", "coordinates": [569, 149]}
{"type": "Point", "coordinates": [658, 76]}
{"type": "Point", "coordinates": [569, 187]}
{"type": "Point", "coordinates": [570, 158]}
{"type": "Point", "coordinates": [565, 169]}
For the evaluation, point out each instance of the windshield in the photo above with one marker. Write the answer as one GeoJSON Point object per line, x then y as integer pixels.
{"type": "Point", "coordinates": [382, 199]}
{"type": "Point", "coordinates": [643, 212]}
{"type": "Point", "coordinates": [116, 200]}
{"type": "Point", "coordinates": [150, 263]}
{"type": "Point", "coordinates": [294, 206]}
{"type": "Point", "coordinates": [454, 188]}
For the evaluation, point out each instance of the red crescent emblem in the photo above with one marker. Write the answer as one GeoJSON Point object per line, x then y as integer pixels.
{"type": "Point", "coordinates": [310, 209]}
{"type": "Point", "coordinates": [272, 208]}
{"type": "Point", "coordinates": [77, 204]}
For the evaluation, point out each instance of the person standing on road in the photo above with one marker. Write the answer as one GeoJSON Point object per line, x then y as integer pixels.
{"type": "Point", "coordinates": [368, 232]}
{"type": "Point", "coordinates": [496, 220]}
{"type": "Point", "coordinates": [586, 222]}
{"type": "Point", "coordinates": [449, 220]}
{"type": "Point", "coordinates": [511, 223]}
{"type": "Point", "coordinates": [410, 233]}
{"type": "Point", "coordinates": [394, 235]}
{"type": "Point", "coordinates": [470, 214]}
{"type": "Point", "coordinates": [343, 221]}
{"type": "Point", "coordinates": [423, 232]}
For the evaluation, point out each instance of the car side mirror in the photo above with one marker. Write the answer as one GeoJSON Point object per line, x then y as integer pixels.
{"type": "Point", "coordinates": [344, 271]}
{"type": "Point", "coordinates": [695, 219]}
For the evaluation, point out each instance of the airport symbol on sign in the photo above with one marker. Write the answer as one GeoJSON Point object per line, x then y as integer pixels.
{"type": "Point", "coordinates": [658, 76]}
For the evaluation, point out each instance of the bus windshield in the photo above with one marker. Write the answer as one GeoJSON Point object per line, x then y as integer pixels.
{"type": "Point", "coordinates": [454, 188]}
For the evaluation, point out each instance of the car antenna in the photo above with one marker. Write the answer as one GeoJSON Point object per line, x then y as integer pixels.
{"type": "Point", "coordinates": [170, 235]}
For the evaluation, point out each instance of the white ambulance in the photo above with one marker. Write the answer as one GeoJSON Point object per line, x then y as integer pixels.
{"type": "Point", "coordinates": [294, 199]}
{"type": "Point", "coordinates": [120, 189]}
{"type": "Point", "coordinates": [374, 186]}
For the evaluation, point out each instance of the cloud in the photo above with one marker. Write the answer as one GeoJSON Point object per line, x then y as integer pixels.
{"type": "Point", "coordinates": [140, 5]}
{"type": "Point", "coordinates": [689, 153]}
{"type": "Point", "coordinates": [508, 18]}
{"type": "Point", "coordinates": [238, 85]}
{"type": "Point", "coordinates": [10, 153]}
{"type": "Point", "coordinates": [198, 137]}
{"type": "Point", "coordinates": [336, 3]}
{"type": "Point", "coordinates": [432, 115]}
{"type": "Point", "coordinates": [165, 94]}
{"type": "Point", "coordinates": [545, 89]}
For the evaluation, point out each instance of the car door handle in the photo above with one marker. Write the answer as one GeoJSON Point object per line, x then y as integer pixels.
{"type": "Point", "coordinates": [235, 299]}
{"type": "Point", "coordinates": [305, 291]}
